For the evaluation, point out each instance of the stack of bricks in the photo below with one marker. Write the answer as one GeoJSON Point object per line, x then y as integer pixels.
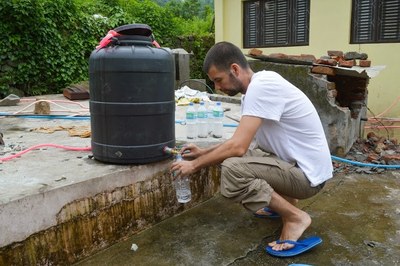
{"type": "Point", "coordinates": [349, 59]}
{"type": "Point", "coordinates": [348, 91]}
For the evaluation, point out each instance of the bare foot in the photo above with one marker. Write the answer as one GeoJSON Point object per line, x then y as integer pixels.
{"type": "Point", "coordinates": [293, 227]}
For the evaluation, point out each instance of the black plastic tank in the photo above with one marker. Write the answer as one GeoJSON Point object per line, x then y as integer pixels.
{"type": "Point", "coordinates": [132, 102]}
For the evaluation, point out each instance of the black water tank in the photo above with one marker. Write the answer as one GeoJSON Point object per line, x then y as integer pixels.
{"type": "Point", "coordinates": [132, 102]}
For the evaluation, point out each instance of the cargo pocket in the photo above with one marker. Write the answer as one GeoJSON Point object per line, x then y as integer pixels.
{"type": "Point", "coordinates": [270, 160]}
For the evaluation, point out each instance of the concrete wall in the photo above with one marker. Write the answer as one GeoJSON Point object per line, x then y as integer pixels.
{"type": "Point", "coordinates": [76, 221]}
{"type": "Point", "coordinates": [330, 22]}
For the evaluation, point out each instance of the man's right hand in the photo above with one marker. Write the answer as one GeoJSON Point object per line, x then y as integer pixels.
{"type": "Point", "coordinates": [191, 151]}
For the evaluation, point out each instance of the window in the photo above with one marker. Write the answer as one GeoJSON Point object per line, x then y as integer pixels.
{"type": "Point", "coordinates": [375, 21]}
{"type": "Point", "coordinates": [269, 23]}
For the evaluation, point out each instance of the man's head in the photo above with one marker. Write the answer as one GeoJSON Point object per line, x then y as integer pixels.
{"type": "Point", "coordinates": [228, 68]}
{"type": "Point", "coordinates": [222, 55]}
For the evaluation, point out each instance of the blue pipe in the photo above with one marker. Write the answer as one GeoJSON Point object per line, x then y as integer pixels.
{"type": "Point", "coordinates": [48, 116]}
{"type": "Point", "coordinates": [366, 164]}
{"type": "Point", "coordinates": [183, 122]}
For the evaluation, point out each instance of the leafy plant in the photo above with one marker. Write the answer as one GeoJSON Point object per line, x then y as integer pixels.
{"type": "Point", "coordinates": [48, 42]}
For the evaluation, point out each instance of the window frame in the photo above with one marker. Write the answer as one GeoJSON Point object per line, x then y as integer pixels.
{"type": "Point", "coordinates": [374, 21]}
{"type": "Point", "coordinates": [256, 19]}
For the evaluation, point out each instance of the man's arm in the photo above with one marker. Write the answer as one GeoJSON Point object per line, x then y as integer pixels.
{"type": "Point", "coordinates": [236, 146]}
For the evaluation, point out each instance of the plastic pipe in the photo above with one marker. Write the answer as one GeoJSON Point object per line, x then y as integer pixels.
{"type": "Point", "coordinates": [48, 116]}
{"type": "Point", "coordinates": [44, 145]}
{"type": "Point", "coordinates": [365, 164]}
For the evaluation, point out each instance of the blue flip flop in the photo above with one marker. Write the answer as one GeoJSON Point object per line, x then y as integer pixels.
{"type": "Point", "coordinates": [300, 246]}
{"type": "Point", "coordinates": [271, 215]}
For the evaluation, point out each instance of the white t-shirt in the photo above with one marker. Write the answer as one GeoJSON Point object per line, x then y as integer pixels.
{"type": "Point", "coordinates": [291, 127]}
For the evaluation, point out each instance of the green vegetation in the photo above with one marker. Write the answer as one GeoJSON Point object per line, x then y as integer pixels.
{"type": "Point", "coordinates": [47, 43]}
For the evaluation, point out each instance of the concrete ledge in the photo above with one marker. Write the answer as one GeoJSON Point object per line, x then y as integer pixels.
{"type": "Point", "coordinates": [75, 221]}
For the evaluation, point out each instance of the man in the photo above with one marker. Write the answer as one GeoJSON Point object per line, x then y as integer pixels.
{"type": "Point", "coordinates": [293, 160]}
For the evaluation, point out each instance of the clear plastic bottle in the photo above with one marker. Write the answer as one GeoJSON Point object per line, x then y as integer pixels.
{"type": "Point", "coordinates": [218, 113]}
{"type": "Point", "coordinates": [202, 121]}
{"type": "Point", "coordinates": [182, 186]}
{"type": "Point", "coordinates": [191, 122]}
{"type": "Point", "coordinates": [210, 118]}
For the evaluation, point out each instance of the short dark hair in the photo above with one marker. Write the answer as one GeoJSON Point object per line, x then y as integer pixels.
{"type": "Point", "coordinates": [222, 55]}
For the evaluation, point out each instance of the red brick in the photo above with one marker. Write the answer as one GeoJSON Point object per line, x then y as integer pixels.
{"type": "Point", "coordinates": [329, 62]}
{"type": "Point", "coordinates": [323, 70]}
{"type": "Point", "coordinates": [387, 158]}
{"type": "Point", "coordinates": [365, 63]}
{"type": "Point", "coordinates": [255, 52]}
{"type": "Point", "coordinates": [346, 63]}
{"type": "Point", "coordinates": [372, 157]}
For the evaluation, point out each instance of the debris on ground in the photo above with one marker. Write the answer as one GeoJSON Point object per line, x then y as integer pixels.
{"type": "Point", "coordinates": [185, 95]}
{"type": "Point", "coordinates": [373, 150]}
{"type": "Point", "coordinates": [73, 131]}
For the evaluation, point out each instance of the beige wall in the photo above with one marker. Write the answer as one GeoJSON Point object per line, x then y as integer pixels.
{"type": "Point", "coordinates": [329, 30]}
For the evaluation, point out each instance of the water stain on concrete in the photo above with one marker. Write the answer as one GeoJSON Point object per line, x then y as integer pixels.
{"type": "Point", "coordinates": [356, 215]}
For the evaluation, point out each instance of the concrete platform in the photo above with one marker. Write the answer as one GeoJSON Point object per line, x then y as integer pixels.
{"type": "Point", "coordinates": [48, 189]}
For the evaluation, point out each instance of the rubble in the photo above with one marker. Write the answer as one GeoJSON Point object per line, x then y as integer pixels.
{"type": "Point", "coordinates": [371, 150]}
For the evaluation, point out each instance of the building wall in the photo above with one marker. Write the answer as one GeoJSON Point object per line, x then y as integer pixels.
{"type": "Point", "coordinates": [329, 30]}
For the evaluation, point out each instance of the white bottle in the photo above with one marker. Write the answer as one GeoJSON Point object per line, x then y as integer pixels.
{"type": "Point", "coordinates": [218, 113]}
{"type": "Point", "coordinates": [182, 186]}
{"type": "Point", "coordinates": [191, 122]}
{"type": "Point", "coordinates": [202, 121]}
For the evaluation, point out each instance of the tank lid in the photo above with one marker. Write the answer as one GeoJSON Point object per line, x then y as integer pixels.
{"type": "Point", "coordinates": [134, 29]}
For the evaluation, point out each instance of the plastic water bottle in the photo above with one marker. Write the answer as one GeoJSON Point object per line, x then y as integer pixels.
{"type": "Point", "coordinates": [202, 121]}
{"type": "Point", "coordinates": [218, 113]}
{"type": "Point", "coordinates": [182, 186]}
{"type": "Point", "coordinates": [210, 118]}
{"type": "Point", "coordinates": [191, 122]}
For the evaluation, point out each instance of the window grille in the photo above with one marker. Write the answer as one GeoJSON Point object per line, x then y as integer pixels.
{"type": "Point", "coordinates": [274, 23]}
{"type": "Point", "coordinates": [375, 21]}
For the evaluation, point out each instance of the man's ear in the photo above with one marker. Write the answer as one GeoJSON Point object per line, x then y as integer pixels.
{"type": "Point", "coordinates": [235, 69]}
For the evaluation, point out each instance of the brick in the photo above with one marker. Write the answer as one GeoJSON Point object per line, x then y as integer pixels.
{"type": "Point", "coordinates": [364, 63]}
{"type": "Point", "coordinates": [346, 63]}
{"type": "Point", "coordinates": [337, 58]}
{"type": "Point", "coordinates": [323, 70]}
{"type": "Point", "coordinates": [372, 157]}
{"type": "Point", "coordinates": [391, 157]}
{"type": "Point", "coordinates": [329, 62]}
{"type": "Point", "coordinates": [255, 52]}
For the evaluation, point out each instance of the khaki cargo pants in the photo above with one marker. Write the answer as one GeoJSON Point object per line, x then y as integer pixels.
{"type": "Point", "coordinates": [251, 179]}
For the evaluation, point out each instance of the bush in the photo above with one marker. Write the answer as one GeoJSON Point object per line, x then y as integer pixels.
{"type": "Point", "coordinates": [48, 42]}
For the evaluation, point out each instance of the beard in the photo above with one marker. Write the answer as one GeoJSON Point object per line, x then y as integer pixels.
{"type": "Point", "coordinates": [236, 86]}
